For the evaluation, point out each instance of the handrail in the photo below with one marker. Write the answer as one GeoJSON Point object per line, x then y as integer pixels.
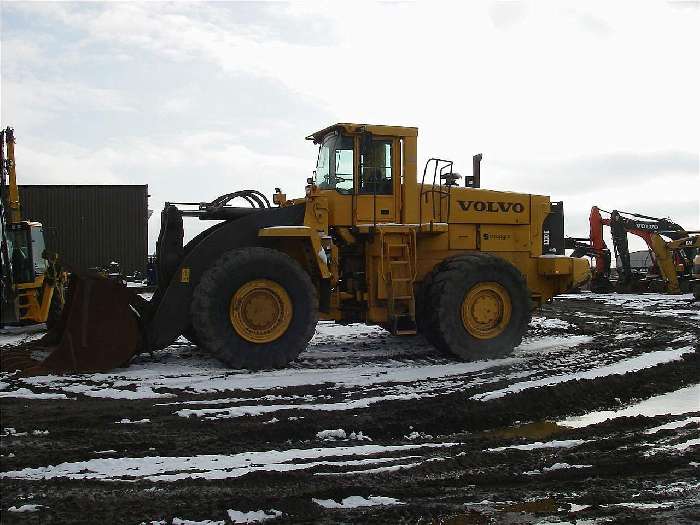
{"type": "Point", "coordinates": [441, 168]}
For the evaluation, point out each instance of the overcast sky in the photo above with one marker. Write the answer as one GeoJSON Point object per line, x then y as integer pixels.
{"type": "Point", "coordinates": [589, 103]}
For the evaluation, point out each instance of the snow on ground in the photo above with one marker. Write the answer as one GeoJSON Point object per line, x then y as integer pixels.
{"type": "Point", "coordinates": [393, 361]}
{"type": "Point", "coordinates": [353, 502]}
{"type": "Point", "coordinates": [181, 521]}
{"type": "Point", "coordinates": [25, 393]}
{"type": "Point", "coordinates": [673, 403]}
{"type": "Point", "coordinates": [169, 468]}
{"type": "Point", "coordinates": [663, 305]}
{"type": "Point", "coordinates": [632, 364]}
{"type": "Point", "coordinates": [552, 343]}
{"type": "Point", "coordinates": [547, 323]}
{"type": "Point", "coordinates": [253, 516]}
{"type": "Point", "coordinates": [14, 335]}
{"type": "Point", "coordinates": [207, 376]}
{"type": "Point", "coordinates": [565, 443]}
{"type": "Point", "coordinates": [675, 424]}
{"type": "Point", "coordinates": [555, 467]}
{"type": "Point", "coordinates": [25, 508]}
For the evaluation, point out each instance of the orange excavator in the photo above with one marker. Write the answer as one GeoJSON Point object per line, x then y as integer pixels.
{"type": "Point", "coordinates": [672, 260]}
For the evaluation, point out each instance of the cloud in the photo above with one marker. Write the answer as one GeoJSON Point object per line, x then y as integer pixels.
{"type": "Point", "coordinates": [591, 173]}
{"type": "Point", "coordinates": [506, 14]}
{"type": "Point", "coordinates": [222, 93]}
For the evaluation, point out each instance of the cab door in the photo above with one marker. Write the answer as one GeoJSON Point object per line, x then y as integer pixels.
{"type": "Point", "coordinates": [379, 181]}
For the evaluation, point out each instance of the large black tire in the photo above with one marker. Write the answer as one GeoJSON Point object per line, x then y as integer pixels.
{"type": "Point", "coordinates": [212, 298]}
{"type": "Point", "coordinates": [445, 291]}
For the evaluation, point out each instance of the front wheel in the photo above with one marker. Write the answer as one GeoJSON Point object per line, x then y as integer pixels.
{"type": "Point", "coordinates": [255, 308]}
{"type": "Point", "coordinates": [478, 307]}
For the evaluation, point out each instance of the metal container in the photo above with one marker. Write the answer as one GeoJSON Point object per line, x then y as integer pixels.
{"type": "Point", "coordinates": [92, 225]}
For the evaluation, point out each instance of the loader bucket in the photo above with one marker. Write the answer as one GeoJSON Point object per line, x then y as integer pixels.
{"type": "Point", "coordinates": [98, 331]}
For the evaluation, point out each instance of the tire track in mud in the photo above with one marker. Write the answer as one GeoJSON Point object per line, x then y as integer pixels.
{"type": "Point", "coordinates": [464, 481]}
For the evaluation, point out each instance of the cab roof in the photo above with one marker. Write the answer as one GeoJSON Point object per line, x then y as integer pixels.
{"type": "Point", "coordinates": [374, 129]}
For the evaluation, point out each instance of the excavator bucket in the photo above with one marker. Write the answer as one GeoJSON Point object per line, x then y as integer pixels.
{"type": "Point", "coordinates": [98, 331]}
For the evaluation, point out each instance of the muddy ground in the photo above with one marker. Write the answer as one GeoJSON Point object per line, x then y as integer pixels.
{"type": "Point", "coordinates": [176, 437]}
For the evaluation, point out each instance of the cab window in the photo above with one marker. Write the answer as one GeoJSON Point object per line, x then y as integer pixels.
{"type": "Point", "coordinates": [38, 247]}
{"type": "Point", "coordinates": [335, 164]}
{"type": "Point", "coordinates": [375, 172]}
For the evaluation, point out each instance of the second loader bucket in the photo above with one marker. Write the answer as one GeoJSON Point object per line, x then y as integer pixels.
{"type": "Point", "coordinates": [98, 331]}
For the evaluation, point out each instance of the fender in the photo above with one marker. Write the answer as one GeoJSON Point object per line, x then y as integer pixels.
{"type": "Point", "coordinates": [169, 314]}
{"type": "Point", "coordinates": [309, 235]}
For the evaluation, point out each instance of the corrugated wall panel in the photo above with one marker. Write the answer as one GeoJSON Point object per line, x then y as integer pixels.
{"type": "Point", "coordinates": [92, 225]}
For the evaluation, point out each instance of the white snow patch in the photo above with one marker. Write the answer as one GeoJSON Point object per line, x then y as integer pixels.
{"type": "Point", "coordinates": [564, 443]}
{"type": "Point", "coordinates": [673, 403]}
{"type": "Point", "coordinates": [40, 432]}
{"type": "Point", "coordinates": [674, 424]}
{"type": "Point", "coordinates": [563, 466]}
{"type": "Point", "coordinates": [13, 335]}
{"type": "Point", "coordinates": [575, 507]}
{"type": "Point", "coordinates": [11, 431]}
{"type": "Point", "coordinates": [676, 447]}
{"type": "Point", "coordinates": [253, 516]}
{"type": "Point", "coordinates": [168, 468]}
{"type": "Point", "coordinates": [544, 322]}
{"type": "Point", "coordinates": [127, 421]}
{"type": "Point", "coordinates": [25, 393]}
{"type": "Point", "coordinates": [375, 470]}
{"type": "Point", "coordinates": [353, 502]}
{"type": "Point", "coordinates": [417, 435]}
{"type": "Point", "coordinates": [632, 364]}
{"type": "Point", "coordinates": [551, 343]}
{"type": "Point", "coordinates": [339, 434]}
{"type": "Point", "coordinates": [25, 508]}
{"type": "Point", "coordinates": [141, 392]}
{"type": "Point", "coordinates": [331, 435]}
{"type": "Point", "coordinates": [180, 521]}
{"type": "Point", "coordinates": [643, 506]}
{"type": "Point", "coordinates": [256, 410]}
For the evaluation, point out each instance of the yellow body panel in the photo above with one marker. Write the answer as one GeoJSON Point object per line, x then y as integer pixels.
{"type": "Point", "coordinates": [306, 232]}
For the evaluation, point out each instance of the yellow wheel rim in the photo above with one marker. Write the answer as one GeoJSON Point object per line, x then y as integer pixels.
{"type": "Point", "coordinates": [260, 311]}
{"type": "Point", "coordinates": [486, 310]}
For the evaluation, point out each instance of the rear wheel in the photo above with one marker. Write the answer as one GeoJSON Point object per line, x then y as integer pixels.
{"type": "Point", "coordinates": [478, 307]}
{"type": "Point", "coordinates": [255, 308]}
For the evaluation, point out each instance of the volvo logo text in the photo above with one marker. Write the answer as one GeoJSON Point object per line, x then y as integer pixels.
{"type": "Point", "coordinates": [492, 206]}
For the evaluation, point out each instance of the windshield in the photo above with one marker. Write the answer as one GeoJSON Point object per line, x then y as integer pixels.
{"type": "Point", "coordinates": [335, 164]}
{"type": "Point", "coordinates": [20, 255]}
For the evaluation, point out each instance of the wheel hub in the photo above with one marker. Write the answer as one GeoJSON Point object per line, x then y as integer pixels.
{"type": "Point", "coordinates": [260, 311]}
{"type": "Point", "coordinates": [486, 310]}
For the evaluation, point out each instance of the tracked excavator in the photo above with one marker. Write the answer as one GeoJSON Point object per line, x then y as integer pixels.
{"type": "Point", "coordinates": [672, 249]}
{"type": "Point", "coordinates": [371, 241]}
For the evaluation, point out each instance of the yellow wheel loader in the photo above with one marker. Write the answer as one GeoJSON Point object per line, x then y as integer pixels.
{"type": "Point", "coordinates": [370, 242]}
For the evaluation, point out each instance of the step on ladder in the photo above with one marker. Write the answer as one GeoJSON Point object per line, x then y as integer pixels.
{"type": "Point", "coordinates": [399, 262]}
{"type": "Point", "coordinates": [27, 304]}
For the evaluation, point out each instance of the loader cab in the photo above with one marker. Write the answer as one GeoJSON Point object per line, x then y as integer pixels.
{"type": "Point", "coordinates": [25, 246]}
{"type": "Point", "coordinates": [360, 170]}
